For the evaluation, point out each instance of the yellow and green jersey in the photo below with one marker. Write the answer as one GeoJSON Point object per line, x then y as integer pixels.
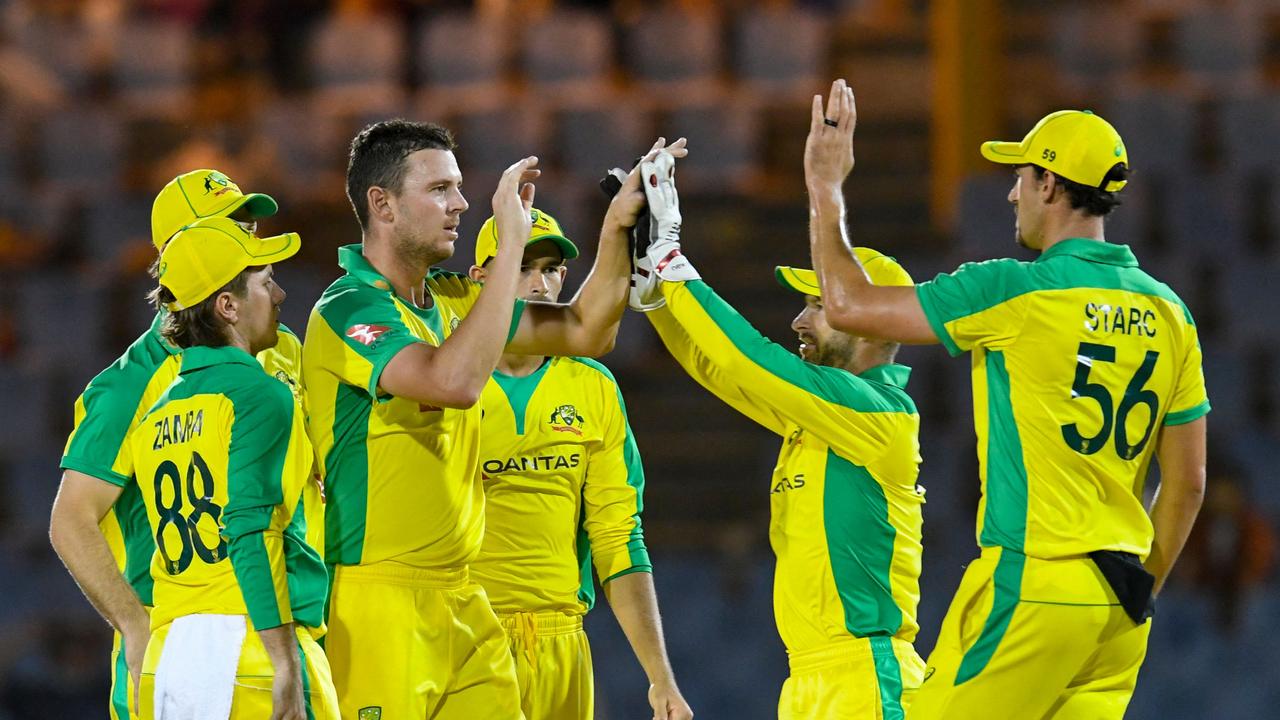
{"type": "Point", "coordinates": [845, 507]}
{"type": "Point", "coordinates": [112, 404]}
{"type": "Point", "coordinates": [1078, 359]}
{"type": "Point", "coordinates": [401, 479]}
{"type": "Point", "coordinates": [225, 471]}
{"type": "Point", "coordinates": [563, 488]}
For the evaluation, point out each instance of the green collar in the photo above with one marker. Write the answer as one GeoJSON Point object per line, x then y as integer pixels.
{"type": "Point", "coordinates": [1092, 251]}
{"type": "Point", "coordinates": [888, 374]}
{"type": "Point", "coordinates": [351, 258]}
{"type": "Point", "coordinates": [203, 356]}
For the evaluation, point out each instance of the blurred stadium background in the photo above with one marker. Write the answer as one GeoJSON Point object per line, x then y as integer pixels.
{"type": "Point", "coordinates": [102, 101]}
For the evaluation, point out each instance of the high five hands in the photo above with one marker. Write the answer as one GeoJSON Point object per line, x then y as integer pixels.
{"type": "Point", "coordinates": [828, 152]}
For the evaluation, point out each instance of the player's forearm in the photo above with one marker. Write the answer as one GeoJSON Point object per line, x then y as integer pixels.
{"type": "Point", "coordinates": [600, 302]}
{"type": "Point", "coordinates": [281, 644]}
{"type": "Point", "coordinates": [76, 537]}
{"type": "Point", "coordinates": [1181, 454]}
{"type": "Point", "coordinates": [460, 367]}
{"type": "Point", "coordinates": [635, 604]}
{"type": "Point", "coordinates": [843, 282]}
{"type": "Point", "coordinates": [1172, 515]}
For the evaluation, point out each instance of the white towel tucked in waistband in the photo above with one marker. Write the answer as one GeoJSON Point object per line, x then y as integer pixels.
{"type": "Point", "coordinates": [196, 676]}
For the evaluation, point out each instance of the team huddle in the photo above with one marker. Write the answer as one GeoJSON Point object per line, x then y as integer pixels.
{"type": "Point", "coordinates": [404, 513]}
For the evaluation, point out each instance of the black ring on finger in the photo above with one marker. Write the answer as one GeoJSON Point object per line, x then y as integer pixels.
{"type": "Point", "coordinates": [830, 122]}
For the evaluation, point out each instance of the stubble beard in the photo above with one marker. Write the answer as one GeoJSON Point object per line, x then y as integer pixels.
{"type": "Point", "coordinates": [836, 352]}
{"type": "Point", "coordinates": [418, 253]}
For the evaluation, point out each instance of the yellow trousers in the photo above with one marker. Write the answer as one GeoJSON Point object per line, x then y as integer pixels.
{"type": "Point", "coordinates": [251, 697]}
{"type": "Point", "coordinates": [1032, 639]}
{"type": "Point", "coordinates": [853, 678]}
{"type": "Point", "coordinates": [408, 642]}
{"type": "Point", "coordinates": [553, 665]}
{"type": "Point", "coordinates": [121, 704]}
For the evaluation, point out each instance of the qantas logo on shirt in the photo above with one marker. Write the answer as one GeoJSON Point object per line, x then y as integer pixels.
{"type": "Point", "coordinates": [366, 334]}
{"type": "Point", "coordinates": [791, 483]}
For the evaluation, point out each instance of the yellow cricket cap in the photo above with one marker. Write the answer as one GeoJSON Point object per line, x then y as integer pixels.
{"type": "Point", "coordinates": [882, 269]}
{"type": "Point", "coordinates": [545, 227]}
{"type": "Point", "coordinates": [1075, 144]}
{"type": "Point", "coordinates": [201, 194]}
{"type": "Point", "coordinates": [209, 253]}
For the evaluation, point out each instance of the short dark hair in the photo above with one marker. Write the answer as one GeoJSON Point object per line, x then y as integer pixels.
{"type": "Point", "coordinates": [1093, 200]}
{"type": "Point", "coordinates": [199, 324]}
{"type": "Point", "coordinates": [378, 153]}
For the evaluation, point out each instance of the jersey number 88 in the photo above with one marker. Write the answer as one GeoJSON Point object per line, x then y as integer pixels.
{"type": "Point", "coordinates": [186, 526]}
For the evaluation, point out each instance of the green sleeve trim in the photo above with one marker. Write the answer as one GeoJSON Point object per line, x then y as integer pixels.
{"type": "Point", "coordinates": [110, 404]}
{"type": "Point", "coordinates": [517, 312]}
{"type": "Point", "coordinates": [285, 329]}
{"type": "Point", "coordinates": [347, 304]}
{"type": "Point", "coordinates": [1182, 417]}
{"type": "Point", "coordinates": [934, 317]}
{"type": "Point", "coordinates": [979, 286]}
{"type": "Point", "coordinates": [94, 470]}
{"type": "Point", "coordinates": [252, 567]}
{"type": "Point", "coordinates": [831, 385]}
{"type": "Point", "coordinates": [638, 568]}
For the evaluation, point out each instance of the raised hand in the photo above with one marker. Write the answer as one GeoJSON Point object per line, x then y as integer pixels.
{"type": "Point", "coordinates": [828, 151]}
{"type": "Point", "coordinates": [513, 201]}
{"type": "Point", "coordinates": [627, 204]}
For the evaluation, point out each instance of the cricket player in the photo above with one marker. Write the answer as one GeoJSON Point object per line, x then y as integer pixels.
{"type": "Point", "coordinates": [844, 503]}
{"type": "Point", "coordinates": [564, 489]}
{"type": "Point", "coordinates": [1084, 369]}
{"type": "Point", "coordinates": [98, 526]}
{"type": "Point", "coordinates": [395, 359]}
{"type": "Point", "coordinates": [226, 474]}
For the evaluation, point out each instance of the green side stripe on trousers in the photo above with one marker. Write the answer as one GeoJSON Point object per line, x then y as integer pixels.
{"type": "Point", "coordinates": [306, 682]}
{"type": "Point", "coordinates": [888, 677]}
{"type": "Point", "coordinates": [120, 687]}
{"type": "Point", "coordinates": [1008, 589]}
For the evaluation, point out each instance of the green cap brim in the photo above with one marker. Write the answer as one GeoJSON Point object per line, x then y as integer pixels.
{"type": "Point", "coordinates": [257, 205]}
{"type": "Point", "coordinates": [567, 248]}
{"type": "Point", "coordinates": [801, 280]}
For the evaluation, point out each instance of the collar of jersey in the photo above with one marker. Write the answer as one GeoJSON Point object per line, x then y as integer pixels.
{"type": "Point", "coordinates": [1093, 251]}
{"type": "Point", "coordinates": [195, 358]}
{"type": "Point", "coordinates": [889, 374]}
{"type": "Point", "coordinates": [351, 258]}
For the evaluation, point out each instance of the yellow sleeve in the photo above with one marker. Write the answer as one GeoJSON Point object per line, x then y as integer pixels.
{"type": "Point", "coordinates": [979, 305]}
{"type": "Point", "coordinates": [613, 492]}
{"type": "Point", "coordinates": [770, 384]}
{"type": "Point", "coordinates": [1190, 400]}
